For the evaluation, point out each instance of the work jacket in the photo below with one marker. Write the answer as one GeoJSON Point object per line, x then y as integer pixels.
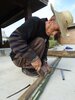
{"type": "Point", "coordinates": [21, 38]}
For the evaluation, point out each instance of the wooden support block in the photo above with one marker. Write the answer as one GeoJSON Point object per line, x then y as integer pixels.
{"type": "Point", "coordinates": [68, 54]}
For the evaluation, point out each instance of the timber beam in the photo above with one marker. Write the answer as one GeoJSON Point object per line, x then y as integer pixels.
{"type": "Point", "coordinates": [66, 54]}
{"type": "Point", "coordinates": [27, 95]}
{"type": "Point", "coordinates": [0, 38]}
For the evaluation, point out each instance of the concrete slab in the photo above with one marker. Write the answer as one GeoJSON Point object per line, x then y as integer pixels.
{"type": "Point", "coordinates": [12, 79]}
{"type": "Point", "coordinates": [58, 89]}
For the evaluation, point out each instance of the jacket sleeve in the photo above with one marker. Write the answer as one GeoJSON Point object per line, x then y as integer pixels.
{"type": "Point", "coordinates": [45, 51]}
{"type": "Point", "coordinates": [21, 48]}
{"type": "Point", "coordinates": [19, 42]}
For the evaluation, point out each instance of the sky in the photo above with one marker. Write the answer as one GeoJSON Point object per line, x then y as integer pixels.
{"type": "Point", "coordinates": [59, 5]}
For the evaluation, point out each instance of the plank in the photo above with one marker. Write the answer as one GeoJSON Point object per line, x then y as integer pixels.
{"type": "Point", "coordinates": [68, 54]}
{"type": "Point", "coordinates": [26, 95]}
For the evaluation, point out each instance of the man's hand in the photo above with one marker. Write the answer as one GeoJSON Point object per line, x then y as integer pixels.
{"type": "Point", "coordinates": [47, 67]}
{"type": "Point", "coordinates": [37, 64]}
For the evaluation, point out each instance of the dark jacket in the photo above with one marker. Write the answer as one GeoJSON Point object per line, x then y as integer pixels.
{"type": "Point", "coordinates": [34, 27]}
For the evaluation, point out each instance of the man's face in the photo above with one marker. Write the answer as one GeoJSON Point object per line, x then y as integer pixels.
{"type": "Point", "coordinates": [53, 27]}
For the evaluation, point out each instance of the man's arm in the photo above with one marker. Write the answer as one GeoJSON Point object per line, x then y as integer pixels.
{"type": "Point", "coordinates": [44, 58]}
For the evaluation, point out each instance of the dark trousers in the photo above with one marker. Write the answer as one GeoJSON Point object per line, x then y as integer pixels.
{"type": "Point", "coordinates": [38, 45]}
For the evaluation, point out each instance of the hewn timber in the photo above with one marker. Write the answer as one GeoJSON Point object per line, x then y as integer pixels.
{"type": "Point", "coordinates": [0, 38]}
{"type": "Point", "coordinates": [41, 87]}
{"type": "Point", "coordinates": [69, 54]}
{"type": "Point", "coordinates": [26, 95]}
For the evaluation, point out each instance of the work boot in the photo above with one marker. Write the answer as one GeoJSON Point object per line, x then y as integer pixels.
{"type": "Point", "coordinates": [45, 69]}
{"type": "Point", "coordinates": [49, 69]}
{"type": "Point", "coordinates": [29, 72]}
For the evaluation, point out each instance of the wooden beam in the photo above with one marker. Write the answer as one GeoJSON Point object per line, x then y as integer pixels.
{"type": "Point", "coordinates": [26, 95]}
{"type": "Point", "coordinates": [68, 54]}
{"type": "Point", "coordinates": [44, 1]}
{"type": "Point", "coordinates": [27, 10]}
{"type": "Point", "coordinates": [12, 19]}
{"type": "Point", "coordinates": [0, 38]}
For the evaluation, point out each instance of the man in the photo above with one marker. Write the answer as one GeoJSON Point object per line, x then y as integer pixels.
{"type": "Point", "coordinates": [29, 44]}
